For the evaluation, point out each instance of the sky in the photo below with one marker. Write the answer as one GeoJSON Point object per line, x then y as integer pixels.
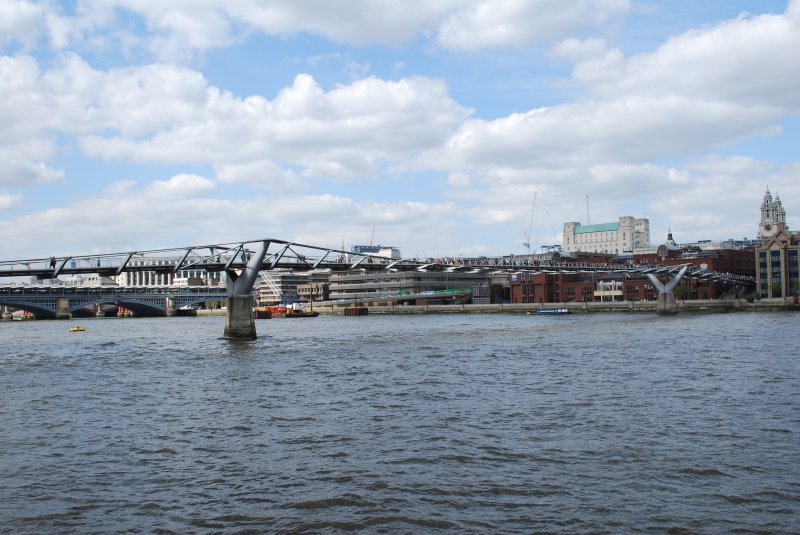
{"type": "Point", "coordinates": [131, 125]}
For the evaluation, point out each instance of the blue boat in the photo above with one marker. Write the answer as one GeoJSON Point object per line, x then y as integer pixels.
{"type": "Point", "coordinates": [554, 311]}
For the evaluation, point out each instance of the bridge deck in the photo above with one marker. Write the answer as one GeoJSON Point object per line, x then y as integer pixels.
{"type": "Point", "coordinates": [232, 257]}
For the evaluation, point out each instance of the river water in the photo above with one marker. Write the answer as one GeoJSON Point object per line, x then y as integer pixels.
{"type": "Point", "coordinates": [496, 423]}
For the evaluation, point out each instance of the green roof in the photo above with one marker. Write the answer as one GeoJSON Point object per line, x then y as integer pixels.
{"type": "Point", "coordinates": [602, 227]}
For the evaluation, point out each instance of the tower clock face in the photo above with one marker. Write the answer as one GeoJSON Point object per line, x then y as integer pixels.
{"type": "Point", "coordinates": [767, 227]}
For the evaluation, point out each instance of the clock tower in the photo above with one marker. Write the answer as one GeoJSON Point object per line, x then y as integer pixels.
{"type": "Point", "coordinates": [773, 216]}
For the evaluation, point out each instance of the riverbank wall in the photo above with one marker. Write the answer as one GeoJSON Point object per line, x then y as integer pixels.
{"type": "Point", "coordinates": [727, 305]}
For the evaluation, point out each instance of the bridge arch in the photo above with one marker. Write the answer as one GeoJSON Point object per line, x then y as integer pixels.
{"type": "Point", "coordinates": [142, 307]}
{"type": "Point", "coordinates": [39, 310]}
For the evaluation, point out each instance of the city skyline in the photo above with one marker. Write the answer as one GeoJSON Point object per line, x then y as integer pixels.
{"type": "Point", "coordinates": [139, 125]}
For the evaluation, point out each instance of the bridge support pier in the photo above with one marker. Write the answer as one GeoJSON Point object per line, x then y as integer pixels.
{"type": "Point", "coordinates": [7, 315]}
{"type": "Point", "coordinates": [666, 299]}
{"type": "Point", "coordinates": [239, 322]}
{"type": "Point", "coordinates": [666, 303]}
{"type": "Point", "coordinates": [62, 309]}
{"type": "Point", "coordinates": [169, 306]}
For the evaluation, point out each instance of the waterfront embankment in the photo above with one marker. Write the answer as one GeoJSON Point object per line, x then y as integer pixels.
{"type": "Point", "coordinates": [706, 305]}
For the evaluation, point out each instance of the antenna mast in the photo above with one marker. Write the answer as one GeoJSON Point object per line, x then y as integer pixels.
{"type": "Point", "coordinates": [527, 243]}
{"type": "Point", "coordinates": [588, 219]}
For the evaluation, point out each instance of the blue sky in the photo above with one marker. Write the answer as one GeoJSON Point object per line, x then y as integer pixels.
{"type": "Point", "coordinates": [126, 125]}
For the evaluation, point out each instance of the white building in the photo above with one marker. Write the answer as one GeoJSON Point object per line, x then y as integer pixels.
{"type": "Point", "coordinates": [384, 251]}
{"type": "Point", "coordinates": [613, 238]}
{"type": "Point", "coordinates": [166, 277]}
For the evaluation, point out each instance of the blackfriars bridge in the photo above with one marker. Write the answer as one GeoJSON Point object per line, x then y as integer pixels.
{"type": "Point", "coordinates": [242, 261]}
{"type": "Point", "coordinates": [58, 302]}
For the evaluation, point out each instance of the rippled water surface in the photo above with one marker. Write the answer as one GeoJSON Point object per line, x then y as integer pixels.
{"type": "Point", "coordinates": [403, 424]}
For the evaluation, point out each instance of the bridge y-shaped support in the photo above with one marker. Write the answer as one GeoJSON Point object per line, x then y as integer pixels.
{"type": "Point", "coordinates": [239, 323]}
{"type": "Point", "coordinates": [666, 299]}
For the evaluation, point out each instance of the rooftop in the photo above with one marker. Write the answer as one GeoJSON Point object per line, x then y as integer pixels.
{"type": "Point", "coordinates": [601, 227]}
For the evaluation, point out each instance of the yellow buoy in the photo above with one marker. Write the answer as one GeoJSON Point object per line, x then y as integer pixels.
{"type": "Point", "coordinates": [76, 329]}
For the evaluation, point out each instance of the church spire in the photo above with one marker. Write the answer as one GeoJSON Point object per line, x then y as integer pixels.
{"type": "Point", "coordinates": [670, 241]}
{"type": "Point", "coordinates": [780, 213]}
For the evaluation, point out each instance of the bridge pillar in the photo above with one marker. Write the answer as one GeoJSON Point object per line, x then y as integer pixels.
{"type": "Point", "coordinates": [7, 315]}
{"type": "Point", "coordinates": [239, 322]}
{"type": "Point", "coordinates": [666, 299]}
{"type": "Point", "coordinates": [666, 303]}
{"type": "Point", "coordinates": [169, 306]}
{"type": "Point", "coordinates": [62, 309]}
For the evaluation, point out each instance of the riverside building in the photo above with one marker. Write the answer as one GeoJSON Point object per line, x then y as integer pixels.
{"type": "Point", "coordinates": [421, 288]}
{"type": "Point", "coordinates": [778, 258]}
{"type": "Point", "coordinates": [294, 286]}
{"type": "Point", "coordinates": [162, 274]}
{"type": "Point", "coordinates": [608, 238]}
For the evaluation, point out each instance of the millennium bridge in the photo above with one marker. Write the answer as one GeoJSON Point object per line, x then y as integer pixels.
{"type": "Point", "coordinates": [243, 261]}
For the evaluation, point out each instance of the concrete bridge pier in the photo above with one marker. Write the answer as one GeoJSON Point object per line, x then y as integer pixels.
{"type": "Point", "coordinates": [239, 322]}
{"type": "Point", "coordinates": [666, 303]}
{"type": "Point", "coordinates": [62, 309]}
{"type": "Point", "coordinates": [666, 299]}
{"type": "Point", "coordinates": [170, 307]}
{"type": "Point", "coordinates": [7, 315]}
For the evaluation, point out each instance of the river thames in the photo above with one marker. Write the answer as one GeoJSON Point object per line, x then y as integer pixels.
{"type": "Point", "coordinates": [604, 423]}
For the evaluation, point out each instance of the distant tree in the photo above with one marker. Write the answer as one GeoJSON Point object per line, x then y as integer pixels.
{"type": "Point", "coordinates": [213, 304]}
{"type": "Point", "coordinates": [681, 291]}
{"type": "Point", "coordinates": [776, 288]}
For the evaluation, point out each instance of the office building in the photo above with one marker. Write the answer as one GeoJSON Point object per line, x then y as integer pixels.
{"type": "Point", "coordinates": [288, 283]}
{"type": "Point", "coordinates": [778, 257]}
{"type": "Point", "coordinates": [610, 238]}
{"type": "Point", "coordinates": [421, 288]}
{"type": "Point", "coordinates": [384, 251]}
{"type": "Point", "coordinates": [162, 274]}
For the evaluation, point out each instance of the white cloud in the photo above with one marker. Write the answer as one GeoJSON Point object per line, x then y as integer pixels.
{"type": "Point", "coordinates": [182, 185]}
{"type": "Point", "coordinates": [7, 200]}
{"type": "Point", "coordinates": [143, 219]}
{"type": "Point", "coordinates": [20, 21]}
{"type": "Point", "coordinates": [514, 23]}
{"type": "Point", "coordinates": [627, 130]}
{"type": "Point", "coordinates": [701, 90]}
{"type": "Point", "coordinates": [748, 60]}
{"type": "Point", "coordinates": [724, 201]}
{"type": "Point", "coordinates": [261, 174]}
{"type": "Point", "coordinates": [165, 113]}
{"type": "Point", "coordinates": [176, 29]}
{"type": "Point", "coordinates": [338, 134]}
{"type": "Point", "coordinates": [742, 166]}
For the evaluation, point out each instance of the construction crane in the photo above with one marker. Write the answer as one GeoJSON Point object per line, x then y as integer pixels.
{"type": "Point", "coordinates": [552, 228]}
{"type": "Point", "coordinates": [527, 243]}
{"type": "Point", "coordinates": [373, 235]}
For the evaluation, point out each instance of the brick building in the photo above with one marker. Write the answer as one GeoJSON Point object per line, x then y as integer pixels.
{"type": "Point", "coordinates": [528, 287]}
